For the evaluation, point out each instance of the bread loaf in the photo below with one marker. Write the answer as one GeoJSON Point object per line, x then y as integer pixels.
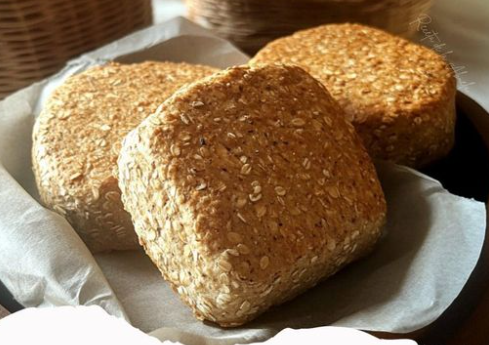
{"type": "Point", "coordinates": [247, 188]}
{"type": "Point", "coordinates": [77, 138]}
{"type": "Point", "coordinates": [399, 96]}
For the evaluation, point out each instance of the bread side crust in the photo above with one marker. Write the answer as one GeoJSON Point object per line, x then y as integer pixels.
{"type": "Point", "coordinates": [77, 138]}
{"type": "Point", "coordinates": [249, 187]}
{"type": "Point", "coordinates": [399, 95]}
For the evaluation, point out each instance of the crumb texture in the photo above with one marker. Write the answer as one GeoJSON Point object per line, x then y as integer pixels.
{"type": "Point", "coordinates": [77, 139]}
{"type": "Point", "coordinates": [400, 96]}
{"type": "Point", "coordinates": [249, 187]}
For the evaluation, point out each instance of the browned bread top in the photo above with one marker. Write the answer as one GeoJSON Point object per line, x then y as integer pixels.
{"type": "Point", "coordinates": [399, 95]}
{"type": "Point", "coordinates": [77, 139]}
{"type": "Point", "coordinates": [248, 187]}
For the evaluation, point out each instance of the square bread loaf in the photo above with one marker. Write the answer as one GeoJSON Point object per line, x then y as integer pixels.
{"type": "Point", "coordinates": [247, 188]}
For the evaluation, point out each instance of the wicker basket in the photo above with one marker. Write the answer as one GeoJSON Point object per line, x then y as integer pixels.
{"type": "Point", "coordinates": [38, 36]}
{"type": "Point", "coordinates": [250, 24]}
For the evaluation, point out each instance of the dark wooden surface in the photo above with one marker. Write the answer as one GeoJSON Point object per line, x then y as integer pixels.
{"type": "Point", "coordinates": [473, 328]}
{"type": "Point", "coordinates": [464, 172]}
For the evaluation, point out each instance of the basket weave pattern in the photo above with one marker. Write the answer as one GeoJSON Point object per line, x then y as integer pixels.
{"type": "Point", "coordinates": [38, 36]}
{"type": "Point", "coordinates": [250, 24]}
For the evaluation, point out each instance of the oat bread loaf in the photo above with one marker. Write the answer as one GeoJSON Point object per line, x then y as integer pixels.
{"type": "Point", "coordinates": [77, 139]}
{"type": "Point", "coordinates": [249, 187]}
{"type": "Point", "coordinates": [400, 96]}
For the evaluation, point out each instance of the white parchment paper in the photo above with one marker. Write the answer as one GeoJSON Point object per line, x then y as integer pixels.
{"type": "Point", "coordinates": [432, 243]}
{"type": "Point", "coordinates": [61, 326]}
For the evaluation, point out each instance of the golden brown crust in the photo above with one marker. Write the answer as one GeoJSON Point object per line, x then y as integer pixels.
{"type": "Point", "coordinates": [249, 187]}
{"type": "Point", "coordinates": [399, 96]}
{"type": "Point", "coordinates": [77, 139]}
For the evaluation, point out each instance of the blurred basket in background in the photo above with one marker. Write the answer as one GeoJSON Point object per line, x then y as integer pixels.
{"type": "Point", "coordinates": [37, 37]}
{"type": "Point", "coordinates": [250, 24]}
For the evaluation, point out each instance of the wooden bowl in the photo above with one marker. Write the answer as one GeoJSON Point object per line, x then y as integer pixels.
{"type": "Point", "coordinates": [465, 172]}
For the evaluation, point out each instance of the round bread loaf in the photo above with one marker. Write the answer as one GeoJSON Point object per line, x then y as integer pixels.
{"type": "Point", "coordinates": [77, 139]}
{"type": "Point", "coordinates": [399, 96]}
{"type": "Point", "coordinates": [248, 187]}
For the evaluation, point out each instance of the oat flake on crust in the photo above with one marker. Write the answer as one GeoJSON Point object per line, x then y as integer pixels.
{"type": "Point", "coordinates": [249, 187]}
{"type": "Point", "coordinates": [77, 140]}
{"type": "Point", "coordinates": [400, 96]}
